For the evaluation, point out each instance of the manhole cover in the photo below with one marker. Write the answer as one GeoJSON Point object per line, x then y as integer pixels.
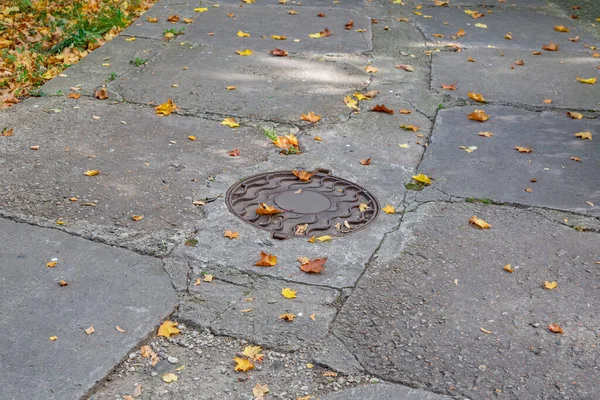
{"type": "Point", "coordinates": [325, 205]}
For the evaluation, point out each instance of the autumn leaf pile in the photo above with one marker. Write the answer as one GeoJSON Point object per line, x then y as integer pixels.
{"type": "Point", "coordinates": [40, 38]}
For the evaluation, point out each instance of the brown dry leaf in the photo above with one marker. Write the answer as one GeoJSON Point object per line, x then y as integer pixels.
{"type": "Point", "coordinates": [265, 209]}
{"type": "Point", "coordinates": [168, 329]}
{"type": "Point", "coordinates": [310, 117]}
{"type": "Point", "coordinates": [198, 281]}
{"type": "Point", "coordinates": [550, 285]}
{"type": "Point", "coordinates": [287, 317]}
{"type": "Point", "coordinates": [575, 115]}
{"type": "Point", "coordinates": [365, 161]}
{"type": "Point", "coordinates": [233, 153]}
{"type": "Point", "coordinates": [330, 374]}
{"type": "Point", "coordinates": [413, 128]}
{"type": "Point", "coordinates": [536, 53]}
{"type": "Point", "coordinates": [301, 229]}
{"type": "Point", "coordinates": [405, 67]}
{"type": "Point", "coordinates": [469, 59]}
{"type": "Point", "coordinates": [528, 190]}
{"type": "Point", "coordinates": [555, 328]}
{"type": "Point", "coordinates": [326, 33]}
{"type": "Point", "coordinates": [521, 149]}
{"type": "Point", "coordinates": [188, 20]}
{"type": "Point", "coordinates": [382, 108]}
{"type": "Point", "coordinates": [449, 87]}
{"type": "Point", "coordinates": [165, 109]}
{"type": "Point", "coordinates": [551, 47]}
{"type": "Point", "coordinates": [91, 172]}
{"type": "Point", "coordinates": [509, 268]}
{"type": "Point", "coordinates": [266, 260]}
{"type": "Point", "coordinates": [460, 32]}
{"type": "Point", "coordinates": [231, 234]}
{"type": "Point", "coordinates": [321, 15]}
{"type": "Point", "coordinates": [314, 266]}
{"type": "Point", "coordinates": [561, 28]}
{"type": "Point", "coordinates": [476, 96]}
{"type": "Point", "coordinates": [584, 135]}
{"type": "Point", "coordinates": [479, 222]}
{"type": "Point", "coordinates": [478, 115]}
{"type": "Point", "coordinates": [404, 111]}
{"type": "Point", "coordinates": [349, 25]}
{"type": "Point", "coordinates": [243, 364]}
{"type": "Point", "coordinates": [438, 35]}
{"type": "Point", "coordinates": [304, 176]}
{"type": "Point", "coordinates": [486, 134]}
{"type": "Point", "coordinates": [303, 260]}
{"type": "Point", "coordinates": [259, 390]}
{"type": "Point", "coordinates": [576, 159]}
{"type": "Point", "coordinates": [279, 53]}
{"type": "Point", "coordinates": [121, 330]}
{"type": "Point", "coordinates": [146, 351]}
{"type": "Point", "coordinates": [371, 93]}
{"type": "Point", "coordinates": [173, 18]}
{"type": "Point", "coordinates": [74, 95]}
{"type": "Point", "coordinates": [101, 94]}
{"type": "Point", "coordinates": [90, 330]}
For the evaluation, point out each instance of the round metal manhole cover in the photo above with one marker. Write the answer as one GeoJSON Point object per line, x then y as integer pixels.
{"type": "Point", "coordinates": [323, 205]}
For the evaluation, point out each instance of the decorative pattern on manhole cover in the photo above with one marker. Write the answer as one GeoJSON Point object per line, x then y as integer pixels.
{"type": "Point", "coordinates": [325, 205]}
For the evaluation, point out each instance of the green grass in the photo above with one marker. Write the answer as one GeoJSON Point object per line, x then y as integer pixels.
{"type": "Point", "coordinates": [111, 77]}
{"type": "Point", "coordinates": [269, 133]}
{"type": "Point", "coordinates": [479, 200]}
{"type": "Point", "coordinates": [138, 62]}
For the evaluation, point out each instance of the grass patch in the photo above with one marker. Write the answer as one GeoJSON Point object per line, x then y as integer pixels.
{"type": "Point", "coordinates": [479, 200]}
{"type": "Point", "coordinates": [269, 133]}
{"type": "Point", "coordinates": [138, 62]}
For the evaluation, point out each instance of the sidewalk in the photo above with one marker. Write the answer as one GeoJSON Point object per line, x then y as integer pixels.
{"type": "Point", "coordinates": [414, 304]}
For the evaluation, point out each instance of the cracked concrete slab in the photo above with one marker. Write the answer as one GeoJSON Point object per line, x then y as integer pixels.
{"type": "Point", "coordinates": [147, 165]}
{"type": "Point", "coordinates": [530, 30]}
{"type": "Point", "coordinates": [438, 281]}
{"type": "Point", "coordinates": [499, 172]}
{"type": "Point", "coordinates": [106, 287]}
{"type": "Point", "coordinates": [251, 310]}
{"type": "Point", "coordinates": [496, 76]}
{"type": "Point", "coordinates": [383, 391]}
{"type": "Point", "coordinates": [522, 4]}
{"type": "Point", "coordinates": [268, 87]}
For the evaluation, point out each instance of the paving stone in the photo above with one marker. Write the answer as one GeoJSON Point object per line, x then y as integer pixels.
{"type": "Point", "coordinates": [438, 281]}
{"type": "Point", "coordinates": [331, 353]}
{"type": "Point", "coordinates": [548, 76]}
{"type": "Point", "coordinates": [530, 30]}
{"type": "Point", "coordinates": [148, 167]}
{"type": "Point", "coordinates": [106, 287]}
{"type": "Point", "coordinates": [383, 392]}
{"type": "Point", "coordinates": [225, 309]}
{"type": "Point", "coordinates": [497, 171]}
{"type": "Point", "coordinates": [268, 87]}
{"type": "Point", "coordinates": [496, 4]}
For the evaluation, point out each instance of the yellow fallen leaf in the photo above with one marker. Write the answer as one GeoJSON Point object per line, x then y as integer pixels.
{"type": "Point", "coordinates": [253, 353]}
{"type": "Point", "coordinates": [508, 268]}
{"type": "Point", "coordinates": [363, 207]}
{"type": "Point", "coordinates": [413, 128]}
{"type": "Point", "coordinates": [370, 69]}
{"type": "Point", "coordinates": [53, 338]}
{"type": "Point", "coordinates": [315, 35]}
{"type": "Point", "coordinates": [325, 238]}
{"type": "Point", "coordinates": [521, 149]}
{"type": "Point", "coordinates": [91, 172]}
{"type": "Point", "coordinates": [589, 81]}
{"type": "Point", "coordinates": [152, 19]}
{"type": "Point", "coordinates": [422, 178]}
{"type": "Point", "coordinates": [480, 25]}
{"type": "Point", "coordinates": [165, 109]}
{"type": "Point", "coordinates": [230, 87]}
{"type": "Point", "coordinates": [287, 317]}
{"type": "Point", "coordinates": [476, 96]}
{"type": "Point", "coordinates": [192, 138]}
{"type": "Point", "coordinates": [230, 122]}
{"type": "Point", "coordinates": [200, 9]}
{"type": "Point", "coordinates": [309, 366]}
{"type": "Point", "coordinates": [550, 285]}
{"type": "Point", "coordinates": [318, 138]}
{"type": "Point", "coordinates": [584, 135]}
{"type": "Point", "coordinates": [486, 331]}
{"type": "Point", "coordinates": [167, 329]}
{"type": "Point", "coordinates": [208, 278]}
{"type": "Point", "coordinates": [479, 222]}
{"type": "Point", "coordinates": [231, 234]}
{"type": "Point", "coordinates": [51, 264]}
{"type": "Point", "coordinates": [351, 103]}
{"type": "Point", "coordinates": [137, 217]}
{"type": "Point", "coordinates": [575, 115]}
{"type": "Point", "coordinates": [198, 281]}
{"type": "Point", "coordinates": [246, 52]}
{"type": "Point", "coordinates": [90, 330]}
{"type": "Point", "coordinates": [243, 364]}
{"type": "Point", "coordinates": [388, 209]}
{"type": "Point", "coordinates": [169, 377]}
{"type": "Point", "coordinates": [404, 145]}
{"type": "Point", "coordinates": [278, 37]}
{"type": "Point", "coordinates": [243, 34]}
{"type": "Point", "coordinates": [561, 28]}
{"type": "Point", "coordinates": [288, 293]}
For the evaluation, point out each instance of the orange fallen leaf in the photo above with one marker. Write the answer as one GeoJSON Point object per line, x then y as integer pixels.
{"type": "Point", "coordinates": [265, 209]}
{"type": "Point", "coordinates": [460, 32]}
{"type": "Point", "coordinates": [508, 268]}
{"type": "Point", "coordinates": [413, 128]}
{"type": "Point", "coordinates": [233, 153]}
{"type": "Point", "coordinates": [575, 115]}
{"type": "Point", "coordinates": [310, 117]}
{"type": "Point", "coordinates": [266, 260]}
{"type": "Point", "coordinates": [449, 87]}
{"type": "Point", "coordinates": [576, 159]}
{"type": "Point", "coordinates": [314, 266]}
{"type": "Point", "coordinates": [478, 115]}
{"type": "Point", "coordinates": [165, 109]}
{"type": "Point", "coordinates": [479, 222]}
{"type": "Point", "coordinates": [287, 317]}
{"type": "Point", "coordinates": [404, 111]}
{"type": "Point", "coordinates": [303, 175]}
{"type": "Point", "coordinates": [279, 53]}
{"type": "Point", "coordinates": [192, 138]}
{"type": "Point", "coordinates": [152, 19]}
{"type": "Point", "coordinates": [382, 108]}
{"type": "Point", "coordinates": [146, 351]}
{"type": "Point", "coordinates": [370, 69]}
{"type": "Point", "coordinates": [349, 25]}
{"type": "Point", "coordinates": [476, 96]}
{"type": "Point", "coordinates": [469, 59]}
{"type": "Point", "coordinates": [555, 328]}
{"type": "Point", "coordinates": [198, 281]}
{"type": "Point", "coordinates": [91, 172]}
{"type": "Point", "coordinates": [365, 161]}
{"type": "Point", "coordinates": [173, 18]}
{"type": "Point", "coordinates": [547, 101]}
{"type": "Point", "coordinates": [286, 142]}
{"type": "Point", "coordinates": [51, 264]}
{"type": "Point", "coordinates": [523, 149]}
{"type": "Point", "coordinates": [168, 329]}
{"type": "Point", "coordinates": [551, 47]}
{"type": "Point", "coordinates": [231, 234]}
{"type": "Point", "coordinates": [62, 283]}
{"type": "Point", "coordinates": [74, 95]}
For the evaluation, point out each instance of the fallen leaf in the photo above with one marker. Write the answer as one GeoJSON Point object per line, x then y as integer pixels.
{"type": "Point", "coordinates": [449, 87]}
{"type": "Point", "coordinates": [528, 190]}
{"type": "Point", "coordinates": [198, 281]}
{"type": "Point", "coordinates": [365, 161]}
{"type": "Point", "coordinates": [310, 117]}
{"type": "Point", "coordinates": [313, 317]}
{"type": "Point", "coordinates": [422, 178]}
{"type": "Point", "coordinates": [230, 122]}
{"type": "Point", "coordinates": [231, 234]}
{"type": "Point", "coordinates": [266, 260]}
{"type": "Point", "coordinates": [53, 338]}
{"type": "Point", "coordinates": [188, 20]}
{"type": "Point", "coordinates": [476, 96]}
{"type": "Point", "coordinates": [278, 37]}
{"type": "Point", "coordinates": [404, 145]}
{"type": "Point", "coordinates": [404, 111]}
{"type": "Point", "coordinates": [486, 134]}
{"type": "Point", "coordinates": [508, 36]}
{"type": "Point", "coordinates": [230, 87]}
{"type": "Point", "coordinates": [169, 377]}
{"type": "Point", "coordinates": [286, 142]}
{"type": "Point", "coordinates": [363, 207]}
{"type": "Point", "coordinates": [310, 366]}
{"type": "Point", "coordinates": [90, 330]}
{"type": "Point", "coordinates": [460, 32]}
{"type": "Point", "coordinates": [91, 172]}
{"type": "Point", "coordinates": [438, 35]}
{"type": "Point", "coordinates": [71, 96]}
{"type": "Point", "coordinates": [165, 109]}
{"type": "Point", "coordinates": [137, 217]}
{"type": "Point", "coordinates": [173, 18]}
{"type": "Point", "coordinates": [550, 285]}
{"type": "Point", "coordinates": [51, 264]}
{"type": "Point", "coordinates": [121, 330]}
{"type": "Point", "coordinates": [246, 52]}
{"type": "Point", "coordinates": [243, 34]}
{"type": "Point", "coordinates": [168, 329]}
{"type": "Point", "coordinates": [576, 159]}
{"type": "Point", "coordinates": [233, 153]}
{"type": "Point", "coordinates": [315, 35]}
{"type": "Point", "coordinates": [200, 9]}
{"type": "Point", "coordinates": [523, 149]}
{"type": "Point", "coordinates": [555, 328]}
{"type": "Point", "coordinates": [575, 115]}
{"type": "Point", "coordinates": [191, 242]}
{"type": "Point", "coordinates": [469, 59]}
{"type": "Point", "coordinates": [325, 238]}
{"type": "Point", "coordinates": [62, 283]}
{"type": "Point", "coordinates": [479, 222]}
{"type": "Point", "coordinates": [382, 108]}
{"type": "Point", "coordinates": [370, 69]}
{"type": "Point", "coordinates": [303, 175]}
{"type": "Point", "coordinates": [584, 135]}
{"type": "Point", "coordinates": [413, 128]}
{"type": "Point", "coordinates": [351, 103]}
{"type": "Point", "coordinates": [589, 203]}
{"type": "Point", "coordinates": [408, 68]}
{"type": "Point", "coordinates": [480, 25]}
{"type": "Point", "coordinates": [314, 266]}
{"type": "Point", "coordinates": [192, 138]}
{"type": "Point", "coordinates": [536, 53]}
{"type": "Point", "coordinates": [146, 351]}
{"type": "Point", "coordinates": [551, 47]}
{"type": "Point", "coordinates": [349, 25]}
{"type": "Point", "coordinates": [389, 209]}
{"type": "Point", "coordinates": [486, 331]}
{"type": "Point", "coordinates": [330, 374]}
{"type": "Point", "coordinates": [469, 149]}
{"type": "Point", "coordinates": [253, 353]}
{"type": "Point", "coordinates": [243, 364]}
{"type": "Point", "coordinates": [259, 390]}
{"type": "Point", "coordinates": [292, 12]}
{"type": "Point", "coordinates": [561, 28]}
{"type": "Point", "coordinates": [287, 317]}
{"type": "Point", "coordinates": [265, 209]}
{"type": "Point", "coordinates": [547, 101]}
{"type": "Point", "coordinates": [478, 115]}
{"type": "Point", "coordinates": [325, 33]}
{"type": "Point", "coordinates": [574, 39]}
{"type": "Point", "coordinates": [508, 268]}
{"type": "Point", "coordinates": [288, 293]}
{"type": "Point", "coordinates": [589, 81]}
